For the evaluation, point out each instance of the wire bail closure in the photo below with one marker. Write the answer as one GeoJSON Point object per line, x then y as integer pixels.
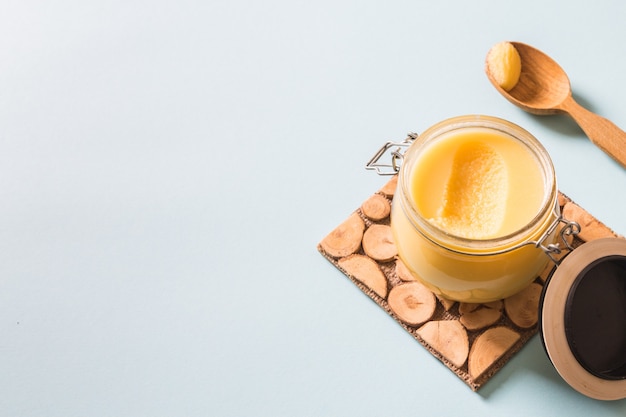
{"type": "Point", "coordinates": [570, 228]}
{"type": "Point", "coordinates": [396, 152]}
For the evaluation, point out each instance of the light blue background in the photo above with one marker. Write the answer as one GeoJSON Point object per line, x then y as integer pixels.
{"type": "Point", "coordinates": [168, 167]}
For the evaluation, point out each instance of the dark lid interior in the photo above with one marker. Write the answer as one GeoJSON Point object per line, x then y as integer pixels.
{"type": "Point", "coordinates": [583, 319]}
{"type": "Point", "coordinates": [595, 318]}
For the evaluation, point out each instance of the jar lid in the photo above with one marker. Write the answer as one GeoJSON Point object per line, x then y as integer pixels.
{"type": "Point", "coordinates": [583, 319]}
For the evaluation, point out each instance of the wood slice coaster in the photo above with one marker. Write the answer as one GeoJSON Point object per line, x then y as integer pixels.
{"type": "Point", "coordinates": [473, 340]}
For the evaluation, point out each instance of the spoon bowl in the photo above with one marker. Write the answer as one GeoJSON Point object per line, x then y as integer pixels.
{"type": "Point", "coordinates": [543, 85]}
{"type": "Point", "coordinates": [544, 88]}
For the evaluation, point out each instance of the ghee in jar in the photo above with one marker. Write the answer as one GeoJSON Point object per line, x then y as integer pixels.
{"type": "Point", "coordinates": [472, 191]}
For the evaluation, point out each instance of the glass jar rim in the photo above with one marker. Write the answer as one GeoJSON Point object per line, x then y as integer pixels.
{"type": "Point", "coordinates": [469, 245]}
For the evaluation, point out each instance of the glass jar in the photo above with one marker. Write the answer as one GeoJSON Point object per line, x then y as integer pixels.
{"type": "Point", "coordinates": [465, 268]}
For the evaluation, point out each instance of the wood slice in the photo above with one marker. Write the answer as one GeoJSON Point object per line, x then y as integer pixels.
{"type": "Point", "coordinates": [449, 338]}
{"type": "Point", "coordinates": [378, 243]}
{"type": "Point", "coordinates": [489, 347]}
{"type": "Point", "coordinates": [376, 207]}
{"type": "Point", "coordinates": [479, 316]}
{"type": "Point", "coordinates": [366, 271]}
{"type": "Point", "coordinates": [446, 303]}
{"type": "Point", "coordinates": [346, 238]}
{"type": "Point", "coordinates": [403, 272]}
{"type": "Point", "coordinates": [523, 307]}
{"type": "Point", "coordinates": [412, 302]}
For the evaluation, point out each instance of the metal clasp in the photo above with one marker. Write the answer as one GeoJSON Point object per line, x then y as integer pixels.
{"type": "Point", "coordinates": [396, 151]}
{"type": "Point", "coordinates": [570, 228]}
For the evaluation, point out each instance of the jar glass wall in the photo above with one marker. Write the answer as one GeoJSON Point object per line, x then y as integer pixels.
{"type": "Point", "coordinates": [461, 266]}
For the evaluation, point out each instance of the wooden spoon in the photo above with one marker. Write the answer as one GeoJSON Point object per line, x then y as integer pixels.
{"type": "Point", "coordinates": [544, 88]}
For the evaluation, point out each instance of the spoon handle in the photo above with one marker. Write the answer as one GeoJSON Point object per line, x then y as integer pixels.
{"type": "Point", "coordinates": [602, 132]}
